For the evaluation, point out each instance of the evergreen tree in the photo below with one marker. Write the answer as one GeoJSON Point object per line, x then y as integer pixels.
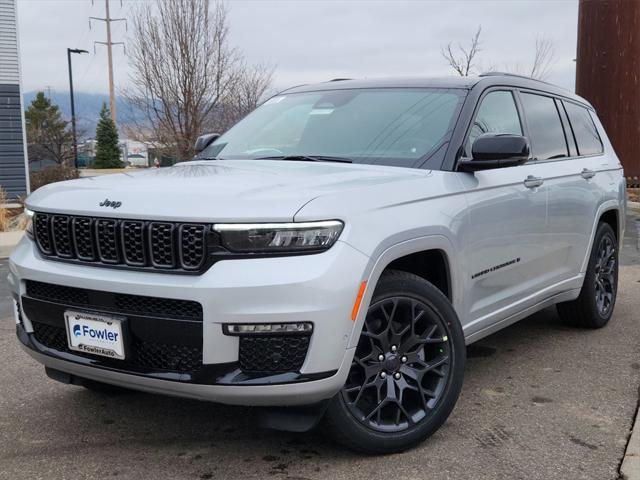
{"type": "Point", "coordinates": [107, 150]}
{"type": "Point", "coordinates": [48, 135]}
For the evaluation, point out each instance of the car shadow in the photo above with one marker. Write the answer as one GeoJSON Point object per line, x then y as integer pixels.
{"type": "Point", "coordinates": [134, 417]}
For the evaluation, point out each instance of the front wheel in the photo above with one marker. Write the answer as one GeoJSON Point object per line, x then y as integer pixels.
{"type": "Point", "coordinates": [407, 370]}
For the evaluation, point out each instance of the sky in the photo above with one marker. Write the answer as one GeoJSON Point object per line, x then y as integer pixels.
{"type": "Point", "coordinates": [310, 41]}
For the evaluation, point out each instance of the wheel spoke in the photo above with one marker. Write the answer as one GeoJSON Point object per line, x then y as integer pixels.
{"type": "Point", "coordinates": [389, 389]}
{"type": "Point", "coordinates": [605, 275]}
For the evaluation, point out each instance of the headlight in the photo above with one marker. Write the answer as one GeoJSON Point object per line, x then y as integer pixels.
{"type": "Point", "coordinates": [29, 227]}
{"type": "Point", "coordinates": [279, 237]}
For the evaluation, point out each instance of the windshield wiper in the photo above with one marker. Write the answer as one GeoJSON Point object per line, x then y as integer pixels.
{"type": "Point", "coordinates": [308, 158]}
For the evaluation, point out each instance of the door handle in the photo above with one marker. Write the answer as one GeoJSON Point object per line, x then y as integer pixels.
{"type": "Point", "coordinates": [533, 182]}
{"type": "Point", "coordinates": [587, 174]}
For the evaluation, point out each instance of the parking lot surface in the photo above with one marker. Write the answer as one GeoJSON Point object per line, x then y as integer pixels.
{"type": "Point", "coordinates": [540, 401]}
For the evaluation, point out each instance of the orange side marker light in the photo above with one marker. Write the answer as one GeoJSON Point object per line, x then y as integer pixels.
{"type": "Point", "coordinates": [356, 306]}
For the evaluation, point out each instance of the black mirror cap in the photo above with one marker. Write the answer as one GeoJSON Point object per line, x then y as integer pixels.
{"type": "Point", "coordinates": [503, 146]}
{"type": "Point", "coordinates": [205, 140]}
{"type": "Point", "coordinates": [496, 151]}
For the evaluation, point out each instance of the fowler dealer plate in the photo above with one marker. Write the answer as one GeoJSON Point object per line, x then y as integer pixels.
{"type": "Point", "coordinates": [95, 334]}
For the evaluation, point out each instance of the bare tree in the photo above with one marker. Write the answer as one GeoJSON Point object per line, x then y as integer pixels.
{"type": "Point", "coordinates": [544, 58]}
{"type": "Point", "coordinates": [462, 60]}
{"type": "Point", "coordinates": [250, 87]}
{"type": "Point", "coordinates": [183, 70]}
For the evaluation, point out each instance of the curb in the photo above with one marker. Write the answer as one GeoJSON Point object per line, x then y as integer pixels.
{"type": "Point", "coordinates": [630, 468]}
{"type": "Point", "coordinates": [8, 240]}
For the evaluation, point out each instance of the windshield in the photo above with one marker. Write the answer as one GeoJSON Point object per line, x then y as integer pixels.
{"type": "Point", "coordinates": [391, 126]}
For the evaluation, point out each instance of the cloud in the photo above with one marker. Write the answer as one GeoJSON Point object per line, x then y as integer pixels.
{"type": "Point", "coordinates": [313, 41]}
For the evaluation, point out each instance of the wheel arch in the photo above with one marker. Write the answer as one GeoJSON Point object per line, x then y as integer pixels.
{"type": "Point", "coordinates": [413, 256]}
{"type": "Point", "coordinates": [609, 212]}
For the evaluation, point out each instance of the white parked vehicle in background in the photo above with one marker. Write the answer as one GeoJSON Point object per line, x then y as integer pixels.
{"type": "Point", "coordinates": [332, 253]}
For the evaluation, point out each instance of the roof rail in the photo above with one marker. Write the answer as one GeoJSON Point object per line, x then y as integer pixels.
{"type": "Point", "coordinates": [507, 74]}
{"type": "Point", "coordinates": [339, 79]}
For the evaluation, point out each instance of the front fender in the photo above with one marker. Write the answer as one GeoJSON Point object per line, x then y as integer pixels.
{"type": "Point", "coordinates": [377, 265]}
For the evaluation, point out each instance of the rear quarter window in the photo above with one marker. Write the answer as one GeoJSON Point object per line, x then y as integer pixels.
{"type": "Point", "coordinates": [584, 130]}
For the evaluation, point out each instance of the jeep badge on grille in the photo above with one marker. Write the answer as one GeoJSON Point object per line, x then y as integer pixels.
{"type": "Point", "coordinates": [109, 203]}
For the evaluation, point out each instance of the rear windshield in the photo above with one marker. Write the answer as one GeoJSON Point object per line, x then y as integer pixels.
{"type": "Point", "coordinates": [390, 126]}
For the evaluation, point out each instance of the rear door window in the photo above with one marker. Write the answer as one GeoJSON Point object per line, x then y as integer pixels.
{"type": "Point", "coordinates": [584, 129]}
{"type": "Point", "coordinates": [545, 127]}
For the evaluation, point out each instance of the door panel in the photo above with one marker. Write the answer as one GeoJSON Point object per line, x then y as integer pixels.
{"type": "Point", "coordinates": [573, 203]}
{"type": "Point", "coordinates": [504, 243]}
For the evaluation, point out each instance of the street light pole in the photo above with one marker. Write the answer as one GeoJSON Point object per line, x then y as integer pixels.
{"type": "Point", "coordinates": [73, 107]}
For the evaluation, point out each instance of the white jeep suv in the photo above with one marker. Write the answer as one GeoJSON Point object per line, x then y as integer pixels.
{"type": "Point", "coordinates": [332, 253]}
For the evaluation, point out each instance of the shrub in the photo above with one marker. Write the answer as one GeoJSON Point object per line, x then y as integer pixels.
{"type": "Point", "coordinates": [48, 175]}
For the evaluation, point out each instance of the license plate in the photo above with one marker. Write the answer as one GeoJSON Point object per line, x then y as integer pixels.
{"type": "Point", "coordinates": [95, 334]}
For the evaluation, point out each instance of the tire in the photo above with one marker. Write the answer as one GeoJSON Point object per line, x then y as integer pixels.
{"type": "Point", "coordinates": [594, 306]}
{"type": "Point", "coordinates": [424, 372]}
{"type": "Point", "coordinates": [104, 388]}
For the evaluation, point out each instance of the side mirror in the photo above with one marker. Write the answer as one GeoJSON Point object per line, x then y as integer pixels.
{"type": "Point", "coordinates": [204, 141]}
{"type": "Point", "coordinates": [496, 151]}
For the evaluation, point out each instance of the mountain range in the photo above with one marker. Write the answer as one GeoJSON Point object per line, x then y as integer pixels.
{"type": "Point", "coordinates": [88, 107]}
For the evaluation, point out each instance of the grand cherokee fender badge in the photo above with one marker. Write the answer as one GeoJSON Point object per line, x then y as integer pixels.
{"type": "Point", "coordinates": [109, 203]}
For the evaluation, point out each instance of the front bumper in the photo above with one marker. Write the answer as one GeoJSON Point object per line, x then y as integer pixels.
{"type": "Point", "coordinates": [314, 288]}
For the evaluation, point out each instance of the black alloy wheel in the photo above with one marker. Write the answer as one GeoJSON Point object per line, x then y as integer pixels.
{"type": "Point", "coordinates": [407, 369]}
{"type": "Point", "coordinates": [594, 306]}
{"type": "Point", "coordinates": [401, 365]}
{"type": "Point", "coordinates": [605, 275]}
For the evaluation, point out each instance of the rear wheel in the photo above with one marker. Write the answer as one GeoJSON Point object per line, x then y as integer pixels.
{"type": "Point", "coordinates": [407, 370]}
{"type": "Point", "coordinates": [594, 307]}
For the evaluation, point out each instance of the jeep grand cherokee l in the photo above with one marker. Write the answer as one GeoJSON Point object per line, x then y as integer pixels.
{"type": "Point", "coordinates": [332, 253]}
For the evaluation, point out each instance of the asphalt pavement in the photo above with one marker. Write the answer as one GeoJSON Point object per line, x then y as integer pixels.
{"type": "Point", "coordinates": [540, 401]}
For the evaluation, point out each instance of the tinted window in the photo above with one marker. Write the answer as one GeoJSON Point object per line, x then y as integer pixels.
{"type": "Point", "coordinates": [497, 114]}
{"type": "Point", "coordinates": [584, 130]}
{"type": "Point", "coordinates": [545, 128]}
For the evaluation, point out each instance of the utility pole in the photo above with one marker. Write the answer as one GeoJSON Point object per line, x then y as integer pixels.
{"type": "Point", "coordinates": [73, 106]}
{"type": "Point", "coordinates": [107, 20]}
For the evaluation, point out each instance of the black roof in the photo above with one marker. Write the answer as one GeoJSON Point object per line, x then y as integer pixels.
{"type": "Point", "coordinates": [483, 81]}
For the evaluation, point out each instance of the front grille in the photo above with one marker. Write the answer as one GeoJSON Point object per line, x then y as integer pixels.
{"type": "Point", "coordinates": [143, 354]}
{"type": "Point", "coordinates": [167, 246]}
{"type": "Point", "coordinates": [125, 304]}
{"type": "Point", "coordinates": [273, 354]}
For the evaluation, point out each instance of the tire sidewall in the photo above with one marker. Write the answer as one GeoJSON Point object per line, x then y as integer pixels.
{"type": "Point", "coordinates": [369, 440]}
{"type": "Point", "coordinates": [589, 286]}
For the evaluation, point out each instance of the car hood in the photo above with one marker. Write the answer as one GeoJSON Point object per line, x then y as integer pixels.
{"type": "Point", "coordinates": [231, 190]}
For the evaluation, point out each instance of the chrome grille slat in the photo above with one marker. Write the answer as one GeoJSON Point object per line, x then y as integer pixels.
{"type": "Point", "coordinates": [136, 244]}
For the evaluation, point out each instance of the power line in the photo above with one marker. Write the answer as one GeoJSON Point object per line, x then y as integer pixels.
{"type": "Point", "coordinates": [109, 43]}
